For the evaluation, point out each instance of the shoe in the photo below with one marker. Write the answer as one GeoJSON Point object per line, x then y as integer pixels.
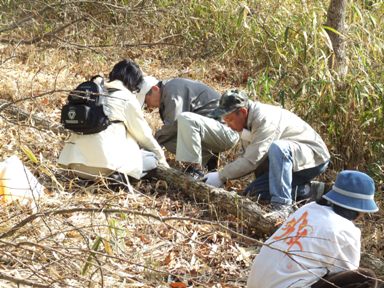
{"type": "Point", "coordinates": [117, 181]}
{"type": "Point", "coordinates": [312, 192]}
{"type": "Point", "coordinates": [279, 212]}
{"type": "Point", "coordinates": [317, 190]}
{"type": "Point", "coordinates": [194, 173]}
{"type": "Point", "coordinates": [212, 163]}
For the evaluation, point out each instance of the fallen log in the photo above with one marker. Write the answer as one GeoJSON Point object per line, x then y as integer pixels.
{"type": "Point", "coordinates": [245, 210]}
{"type": "Point", "coordinates": [376, 264]}
{"type": "Point", "coordinates": [17, 114]}
{"type": "Point", "coordinates": [230, 202]}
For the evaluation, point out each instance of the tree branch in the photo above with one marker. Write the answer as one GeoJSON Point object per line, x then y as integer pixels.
{"type": "Point", "coordinates": [20, 281]}
{"type": "Point", "coordinates": [23, 115]}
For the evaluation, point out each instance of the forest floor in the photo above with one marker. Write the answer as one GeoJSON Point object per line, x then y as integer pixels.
{"type": "Point", "coordinates": [77, 236]}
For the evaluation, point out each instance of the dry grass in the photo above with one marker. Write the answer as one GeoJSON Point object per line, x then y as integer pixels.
{"type": "Point", "coordinates": [92, 248]}
{"type": "Point", "coordinates": [99, 238]}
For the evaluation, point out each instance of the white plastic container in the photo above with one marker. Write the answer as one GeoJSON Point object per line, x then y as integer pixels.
{"type": "Point", "coordinates": [17, 183]}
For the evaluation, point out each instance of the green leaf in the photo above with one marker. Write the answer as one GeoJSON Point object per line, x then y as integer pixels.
{"type": "Point", "coordinates": [286, 33]}
{"type": "Point", "coordinates": [29, 153]}
{"type": "Point", "coordinates": [94, 247]}
{"type": "Point", "coordinates": [333, 30]}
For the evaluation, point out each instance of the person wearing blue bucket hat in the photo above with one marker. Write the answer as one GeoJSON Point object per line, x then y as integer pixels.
{"type": "Point", "coordinates": [318, 246]}
{"type": "Point", "coordinates": [353, 190]}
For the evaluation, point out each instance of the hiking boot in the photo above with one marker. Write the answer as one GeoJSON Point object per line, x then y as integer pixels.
{"type": "Point", "coordinates": [279, 212]}
{"type": "Point", "coordinates": [212, 162]}
{"type": "Point", "coordinates": [317, 189]}
{"type": "Point", "coordinates": [117, 181]}
{"type": "Point", "coordinates": [194, 172]}
{"type": "Point", "coordinates": [312, 192]}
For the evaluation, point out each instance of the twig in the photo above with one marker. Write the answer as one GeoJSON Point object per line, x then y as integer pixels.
{"type": "Point", "coordinates": [20, 281]}
{"type": "Point", "coordinates": [52, 33]}
{"type": "Point", "coordinates": [32, 217]}
{"type": "Point", "coordinates": [93, 47]}
{"type": "Point", "coordinates": [24, 20]}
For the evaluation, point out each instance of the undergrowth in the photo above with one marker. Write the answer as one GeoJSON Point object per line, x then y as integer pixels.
{"type": "Point", "coordinates": [278, 51]}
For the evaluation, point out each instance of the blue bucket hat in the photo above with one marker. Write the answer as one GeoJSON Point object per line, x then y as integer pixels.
{"type": "Point", "coordinates": [353, 190]}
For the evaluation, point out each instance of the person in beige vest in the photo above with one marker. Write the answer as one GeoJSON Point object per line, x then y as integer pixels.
{"type": "Point", "coordinates": [292, 152]}
{"type": "Point", "coordinates": [127, 145]}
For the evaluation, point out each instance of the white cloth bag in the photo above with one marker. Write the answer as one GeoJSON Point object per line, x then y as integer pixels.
{"type": "Point", "coordinates": [17, 183]}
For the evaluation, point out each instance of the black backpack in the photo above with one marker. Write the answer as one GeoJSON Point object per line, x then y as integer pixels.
{"type": "Point", "coordinates": [84, 112]}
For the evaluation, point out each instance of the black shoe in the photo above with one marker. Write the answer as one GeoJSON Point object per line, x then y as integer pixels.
{"type": "Point", "coordinates": [194, 173]}
{"type": "Point", "coordinates": [84, 182]}
{"type": "Point", "coordinates": [314, 192]}
{"type": "Point", "coordinates": [117, 181]}
{"type": "Point", "coordinates": [213, 162]}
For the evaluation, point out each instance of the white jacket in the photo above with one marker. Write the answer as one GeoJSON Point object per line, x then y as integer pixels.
{"type": "Point", "coordinates": [118, 147]}
{"type": "Point", "coordinates": [312, 242]}
{"type": "Point", "coordinates": [266, 124]}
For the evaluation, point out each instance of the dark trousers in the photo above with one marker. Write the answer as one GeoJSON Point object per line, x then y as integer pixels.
{"type": "Point", "coordinates": [360, 278]}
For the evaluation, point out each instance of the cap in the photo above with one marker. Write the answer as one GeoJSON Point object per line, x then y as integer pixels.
{"type": "Point", "coordinates": [145, 85]}
{"type": "Point", "coordinates": [230, 101]}
{"type": "Point", "coordinates": [353, 190]}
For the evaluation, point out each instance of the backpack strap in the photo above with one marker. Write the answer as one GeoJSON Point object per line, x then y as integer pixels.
{"type": "Point", "coordinates": [111, 90]}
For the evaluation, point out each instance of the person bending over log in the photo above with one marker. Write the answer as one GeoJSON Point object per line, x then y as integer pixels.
{"type": "Point", "coordinates": [117, 148]}
{"type": "Point", "coordinates": [188, 129]}
{"type": "Point", "coordinates": [283, 150]}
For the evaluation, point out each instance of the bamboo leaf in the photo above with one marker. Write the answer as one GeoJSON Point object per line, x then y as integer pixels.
{"type": "Point", "coordinates": [107, 247]}
{"type": "Point", "coordinates": [29, 153]}
{"type": "Point", "coordinates": [88, 263]}
{"type": "Point", "coordinates": [333, 30]}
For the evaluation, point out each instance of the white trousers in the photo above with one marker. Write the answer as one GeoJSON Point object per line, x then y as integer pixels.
{"type": "Point", "coordinates": [199, 137]}
{"type": "Point", "coordinates": [91, 173]}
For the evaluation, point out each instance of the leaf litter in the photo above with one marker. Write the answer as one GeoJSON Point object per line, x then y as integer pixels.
{"type": "Point", "coordinates": [94, 237]}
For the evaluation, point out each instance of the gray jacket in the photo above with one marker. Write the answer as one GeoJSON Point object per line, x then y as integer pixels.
{"type": "Point", "coordinates": [183, 95]}
{"type": "Point", "coordinates": [266, 124]}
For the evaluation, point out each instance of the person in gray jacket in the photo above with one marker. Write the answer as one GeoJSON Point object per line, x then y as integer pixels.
{"type": "Point", "coordinates": [185, 107]}
{"type": "Point", "coordinates": [283, 149]}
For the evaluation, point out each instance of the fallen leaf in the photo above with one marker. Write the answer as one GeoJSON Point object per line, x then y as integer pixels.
{"type": "Point", "coordinates": [178, 285]}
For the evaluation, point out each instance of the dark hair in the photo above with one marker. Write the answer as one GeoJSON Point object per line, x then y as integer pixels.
{"type": "Point", "coordinates": [127, 72]}
{"type": "Point", "coordinates": [344, 212]}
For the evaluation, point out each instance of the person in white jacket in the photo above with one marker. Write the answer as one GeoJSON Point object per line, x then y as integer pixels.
{"type": "Point", "coordinates": [283, 150]}
{"type": "Point", "coordinates": [319, 245]}
{"type": "Point", "coordinates": [127, 146]}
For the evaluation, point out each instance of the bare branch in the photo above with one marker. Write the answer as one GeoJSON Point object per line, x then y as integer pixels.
{"type": "Point", "coordinates": [24, 20]}
{"type": "Point", "coordinates": [20, 281]}
{"type": "Point", "coordinates": [23, 115]}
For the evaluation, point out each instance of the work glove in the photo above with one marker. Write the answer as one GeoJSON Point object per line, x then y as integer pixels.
{"type": "Point", "coordinates": [163, 162]}
{"type": "Point", "coordinates": [213, 179]}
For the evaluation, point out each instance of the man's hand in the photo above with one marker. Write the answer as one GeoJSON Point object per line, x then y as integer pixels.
{"type": "Point", "coordinates": [213, 179]}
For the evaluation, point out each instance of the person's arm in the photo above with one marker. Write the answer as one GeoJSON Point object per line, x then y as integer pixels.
{"type": "Point", "coordinates": [261, 139]}
{"type": "Point", "coordinates": [173, 106]}
{"type": "Point", "coordinates": [138, 127]}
